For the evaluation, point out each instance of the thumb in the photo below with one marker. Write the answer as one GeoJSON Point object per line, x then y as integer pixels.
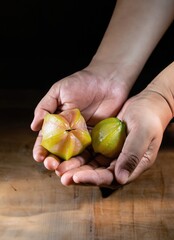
{"type": "Point", "coordinates": [134, 148]}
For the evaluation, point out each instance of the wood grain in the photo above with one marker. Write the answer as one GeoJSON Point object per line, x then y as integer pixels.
{"type": "Point", "coordinates": [34, 205]}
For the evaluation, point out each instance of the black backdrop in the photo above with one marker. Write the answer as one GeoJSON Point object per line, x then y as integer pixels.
{"type": "Point", "coordinates": [43, 41]}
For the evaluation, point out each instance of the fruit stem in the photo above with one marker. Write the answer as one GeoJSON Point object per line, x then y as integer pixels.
{"type": "Point", "coordinates": [69, 130]}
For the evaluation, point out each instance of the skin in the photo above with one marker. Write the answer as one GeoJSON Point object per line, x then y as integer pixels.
{"type": "Point", "coordinates": [106, 83]}
{"type": "Point", "coordinates": [137, 157]}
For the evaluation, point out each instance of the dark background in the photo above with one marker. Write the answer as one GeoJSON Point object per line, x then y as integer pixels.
{"type": "Point", "coordinates": [43, 41]}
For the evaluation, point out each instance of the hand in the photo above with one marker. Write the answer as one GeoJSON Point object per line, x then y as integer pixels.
{"type": "Point", "coordinates": [96, 96]}
{"type": "Point", "coordinates": [146, 116]}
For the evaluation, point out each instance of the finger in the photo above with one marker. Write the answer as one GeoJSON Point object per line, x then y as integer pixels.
{"type": "Point", "coordinates": [39, 153]}
{"type": "Point", "coordinates": [98, 177]}
{"type": "Point", "coordinates": [51, 162]}
{"type": "Point", "coordinates": [143, 165]}
{"type": "Point", "coordinates": [67, 177]}
{"type": "Point", "coordinates": [135, 146]}
{"type": "Point", "coordinates": [74, 162]}
{"type": "Point", "coordinates": [49, 103]}
{"type": "Point", "coordinates": [38, 119]}
{"type": "Point", "coordinates": [80, 163]}
{"type": "Point", "coordinates": [148, 159]}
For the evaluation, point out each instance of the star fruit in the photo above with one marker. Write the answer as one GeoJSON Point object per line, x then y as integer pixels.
{"type": "Point", "coordinates": [65, 134]}
{"type": "Point", "coordinates": [108, 137]}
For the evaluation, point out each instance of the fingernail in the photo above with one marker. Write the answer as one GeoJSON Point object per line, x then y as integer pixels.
{"type": "Point", "coordinates": [123, 176]}
{"type": "Point", "coordinates": [54, 164]}
{"type": "Point", "coordinates": [76, 179]}
{"type": "Point", "coordinates": [57, 173]}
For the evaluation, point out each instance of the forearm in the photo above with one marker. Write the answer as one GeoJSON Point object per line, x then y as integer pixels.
{"type": "Point", "coordinates": [164, 84]}
{"type": "Point", "coordinates": [134, 30]}
{"type": "Point", "coordinates": [163, 87]}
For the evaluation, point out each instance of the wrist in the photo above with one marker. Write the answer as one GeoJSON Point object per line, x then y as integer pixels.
{"type": "Point", "coordinates": [122, 73]}
{"type": "Point", "coordinates": [162, 89]}
{"type": "Point", "coordinates": [164, 85]}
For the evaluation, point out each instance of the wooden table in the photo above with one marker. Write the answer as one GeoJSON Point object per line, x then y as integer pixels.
{"type": "Point", "coordinates": [34, 205]}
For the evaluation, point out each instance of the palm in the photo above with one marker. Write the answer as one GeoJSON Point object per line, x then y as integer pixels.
{"type": "Point", "coordinates": [96, 98]}
{"type": "Point", "coordinates": [93, 96]}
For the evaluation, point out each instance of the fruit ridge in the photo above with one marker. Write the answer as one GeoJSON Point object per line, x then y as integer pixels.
{"type": "Point", "coordinates": [65, 134]}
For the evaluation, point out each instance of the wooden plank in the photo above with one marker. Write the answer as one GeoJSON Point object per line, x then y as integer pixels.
{"type": "Point", "coordinates": [34, 205]}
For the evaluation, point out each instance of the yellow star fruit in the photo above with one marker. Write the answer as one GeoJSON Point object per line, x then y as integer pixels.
{"type": "Point", "coordinates": [65, 134]}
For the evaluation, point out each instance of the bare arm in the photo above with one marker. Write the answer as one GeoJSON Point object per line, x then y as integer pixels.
{"type": "Point", "coordinates": [163, 84]}
{"type": "Point", "coordinates": [134, 31]}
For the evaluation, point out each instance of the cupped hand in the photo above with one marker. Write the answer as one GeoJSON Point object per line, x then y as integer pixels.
{"type": "Point", "coordinates": [146, 116]}
{"type": "Point", "coordinates": [96, 97]}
